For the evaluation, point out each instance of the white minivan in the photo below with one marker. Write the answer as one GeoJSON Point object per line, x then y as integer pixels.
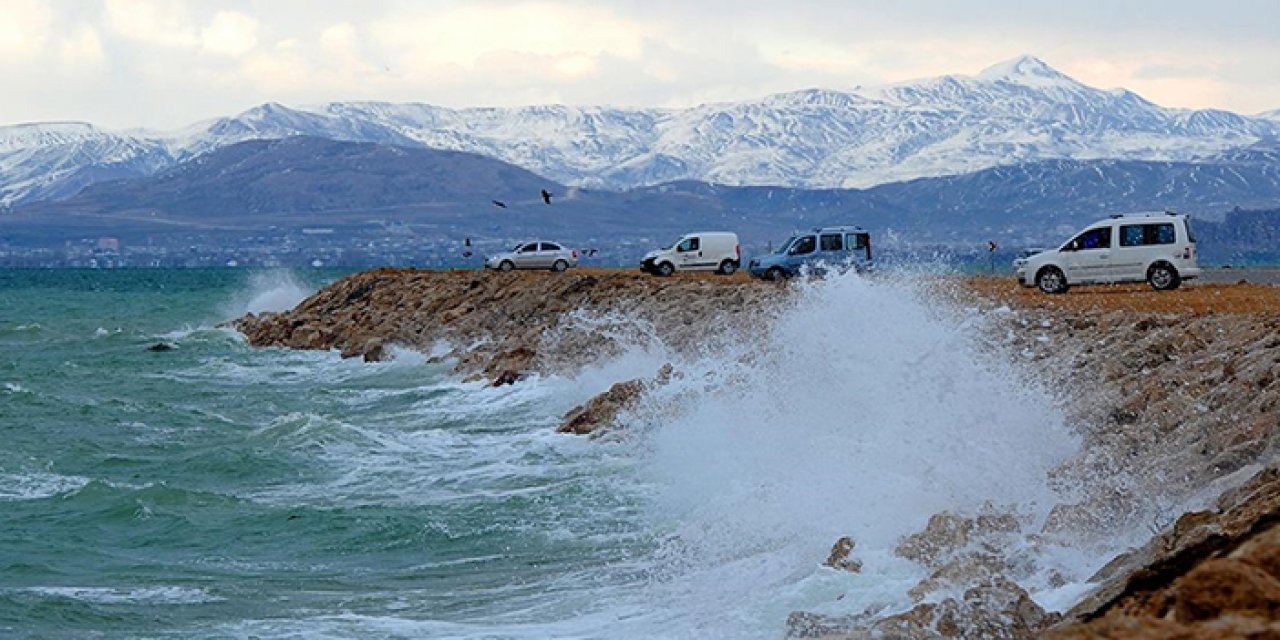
{"type": "Point", "coordinates": [702, 251]}
{"type": "Point", "coordinates": [1157, 248]}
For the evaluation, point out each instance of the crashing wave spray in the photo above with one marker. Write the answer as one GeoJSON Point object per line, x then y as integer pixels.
{"type": "Point", "coordinates": [275, 290]}
{"type": "Point", "coordinates": [862, 411]}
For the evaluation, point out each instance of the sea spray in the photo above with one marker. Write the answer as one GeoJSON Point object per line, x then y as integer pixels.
{"type": "Point", "coordinates": [265, 291]}
{"type": "Point", "coordinates": [866, 408]}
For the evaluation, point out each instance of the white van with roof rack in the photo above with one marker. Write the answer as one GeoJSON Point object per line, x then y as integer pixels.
{"type": "Point", "coordinates": [1159, 249]}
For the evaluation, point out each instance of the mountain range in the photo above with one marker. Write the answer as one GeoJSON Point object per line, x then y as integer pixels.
{"type": "Point", "coordinates": [1015, 113]}
{"type": "Point", "coordinates": [359, 190]}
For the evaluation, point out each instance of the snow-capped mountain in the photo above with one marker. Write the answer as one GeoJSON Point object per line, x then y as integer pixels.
{"type": "Point", "coordinates": [1014, 112]}
{"type": "Point", "coordinates": [52, 160]}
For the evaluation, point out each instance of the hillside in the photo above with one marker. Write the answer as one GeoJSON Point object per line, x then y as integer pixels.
{"type": "Point", "coordinates": [361, 188]}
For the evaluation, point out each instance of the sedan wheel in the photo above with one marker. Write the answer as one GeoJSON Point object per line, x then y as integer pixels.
{"type": "Point", "coordinates": [560, 265]}
{"type": "Point", "coordinates": [507, 265]}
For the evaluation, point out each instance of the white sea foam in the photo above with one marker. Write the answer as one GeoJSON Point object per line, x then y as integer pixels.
{"type": "Point", "coordinates": [37, 486]}
{"type": "Point", "coordinates": [127, 595]}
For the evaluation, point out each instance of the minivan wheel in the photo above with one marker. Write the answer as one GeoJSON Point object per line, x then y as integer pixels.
{"type": "Point", "coordinates": [506, 265]}
{"type": "Point", "coordinates": [666, 269]}
{"type": "Point", "coordinates": [1163, 277]}
{"type": "Point", "coordinates": [728, 267]}
{"type": "Point", "coordinates": [1051, 280]}
{"type": "Point", "coordinates": [560, 265]}
{"type": "Point", "coordinates": [776, 274]}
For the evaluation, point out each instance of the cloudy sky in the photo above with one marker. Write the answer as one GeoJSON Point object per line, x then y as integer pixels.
{"type": "Point", "coordinates": [169, 63]}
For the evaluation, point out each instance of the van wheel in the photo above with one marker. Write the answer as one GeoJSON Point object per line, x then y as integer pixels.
{"type": "Point", "coordinates": [506, 265]}
{"type": "Point", "coordinates": [1051, 280]}
{"type": "Point", "coordinates": [776, 274]}
{"type": "Point", "coordinates": [560, 265]}
{"type": "Point", "coordinates": [1163, 277]}
{"type": "Point", "coordinates": [666, 269]}
{"type": "Point", "coordinates": [728, 267]}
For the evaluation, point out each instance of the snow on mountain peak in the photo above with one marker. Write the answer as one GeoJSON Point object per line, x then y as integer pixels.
{"type": "Point", "coordinates": [1026, 70]}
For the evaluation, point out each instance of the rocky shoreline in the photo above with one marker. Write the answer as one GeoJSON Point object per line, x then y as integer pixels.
{"type": "Point", "coordinates": [1177, 396]}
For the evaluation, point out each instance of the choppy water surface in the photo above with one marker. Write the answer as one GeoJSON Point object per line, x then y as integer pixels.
{"type": "Point", "coordinates": [219, 491]}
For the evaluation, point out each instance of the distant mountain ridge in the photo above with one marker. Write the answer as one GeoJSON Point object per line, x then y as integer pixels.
{"type": "Point", "coordinates": [301, 181]}
{"type": "Point", "coordinates": [1015, 112]}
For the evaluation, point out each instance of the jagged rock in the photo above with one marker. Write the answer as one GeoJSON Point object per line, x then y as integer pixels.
{"type": "Point", "coordinates": [375, 351]}
{"type": "Point", "coordinates": [996, 608]}
{"type": "Point", "coordinates": [948, 533]}
{"type": "Point", "coordinates": [1222, 586]}
{"type": "Point", "coordinates": [842, 556]}
{"type": "Point", "coordinates": [162, 346]}
{"type": "Point", "coordinates": [1210, 571]}
{"type": "Point", "coordinates": [600, 411]}
{"type": "Point", "coordinates": [510, 376]}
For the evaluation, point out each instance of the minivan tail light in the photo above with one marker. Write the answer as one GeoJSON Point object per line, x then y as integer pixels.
{"type": "Point", "coordinates": [575, 254]}
{"type": "Point", "coordinates": [737, 250]}
{"type": "Point", "coordinates": [1186, 253]}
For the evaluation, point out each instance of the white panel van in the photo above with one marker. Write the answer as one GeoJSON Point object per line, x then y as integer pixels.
{"type": "Point", "coordinates": [702, 251]}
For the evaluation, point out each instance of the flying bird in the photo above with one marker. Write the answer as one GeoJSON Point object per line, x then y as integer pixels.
{"type": "Point", "coordinates": [546, 196]}
{"type": "Point", "coordinates": [499, 203]}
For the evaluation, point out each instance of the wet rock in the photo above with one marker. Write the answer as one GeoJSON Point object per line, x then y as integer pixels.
{"type": "Point", "coordinates": [162, 346]}
{"type": "Point", "coordinates": [601, 411]}
{"type": "Point", "coordinates": [375, 351]}
{"type": "Point", "coordinates": [1223, 586]}
{"type": "Point", "coordinates": [948, 533]}
{"type": "Point", "coordinates": [841, 556]}
{"type": "Point", "coordinates": [509, 376]}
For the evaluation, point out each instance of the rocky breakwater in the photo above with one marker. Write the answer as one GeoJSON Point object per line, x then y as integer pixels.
{"type": "Point", "coordinates": [504, 326]}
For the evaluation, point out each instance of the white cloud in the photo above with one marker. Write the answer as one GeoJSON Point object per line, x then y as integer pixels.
{"type": "Point", "coordinates": [231, 33]}
{"type": "Point", "coordinates": [465, 33]}
{"type": "Point", "coordinates": [24, 27]}
{"type": "Point", "coordinates": [82, 51]}
{"type": "Point", "coordinates": [175, 61]}
{"type": "Point", "coordinates": [157, 22]}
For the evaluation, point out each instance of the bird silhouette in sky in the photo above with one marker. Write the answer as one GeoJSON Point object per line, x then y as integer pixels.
{"type": "Point", "coordinates": [499, 203]}
{"type": "Point", "coordinates": [546, 196]}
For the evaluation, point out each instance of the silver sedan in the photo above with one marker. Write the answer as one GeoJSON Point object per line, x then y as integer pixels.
{"type": "Point", "coordinates": [538, 254]}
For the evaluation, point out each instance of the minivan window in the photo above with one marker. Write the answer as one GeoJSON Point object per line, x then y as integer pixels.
{"type": "Point", "coordinates": [1099, 238]}
{"type": "Point", "coordinates": [689, 244]}
{"type": "Point", "coordinates": [1138, 235]}
{"type": "Point", "coordinates": [805, 245]}
{"type": "Point", "coordinates": [1191, 236]}
{"type": "Point", "coordinates": [856, 240]}
{"type": "Point", "coordinates": [831, 242]}
{"type": "Point", "coordinates": [548, 246]}
{"type": "Point", "coordinates": [786, 244]}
